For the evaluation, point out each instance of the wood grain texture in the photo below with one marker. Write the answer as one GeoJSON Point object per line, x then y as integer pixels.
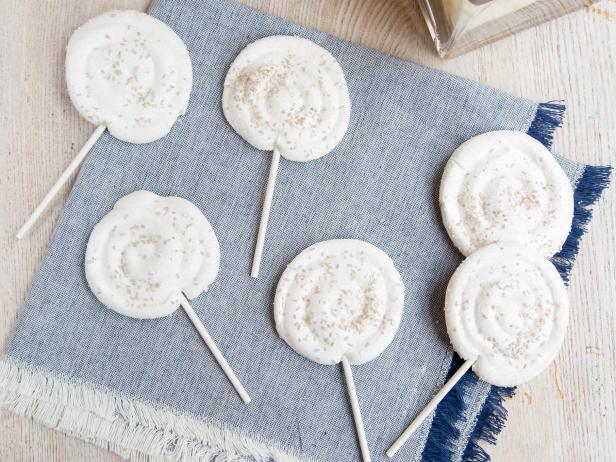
{"type": "Point", "coordinates": [566, 414]}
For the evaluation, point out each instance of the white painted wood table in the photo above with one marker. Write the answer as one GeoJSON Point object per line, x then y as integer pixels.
{"type": "Point", "coordinates": [568, 413]}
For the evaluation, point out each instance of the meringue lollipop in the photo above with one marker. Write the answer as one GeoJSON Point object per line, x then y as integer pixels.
{"type": "Point", "coordinates": [150, 254]}
{"type": "Point", "coordinates": [506, 310]}
{"type": "Point", "coordinates": [287, 95]}
{"type": "Point", "coordinates": [126, 72]}
{"type": "Point", "coordinates": [340, 301]}
{"type": "Point", "coordinates": [505, 186]}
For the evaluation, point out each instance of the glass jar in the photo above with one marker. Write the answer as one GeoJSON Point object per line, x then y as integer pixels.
{"type": "Point", "coordinates": [458, 26]}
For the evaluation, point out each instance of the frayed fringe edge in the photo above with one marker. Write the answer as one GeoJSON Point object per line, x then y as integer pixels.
{"type": "Point", "coordinates": [588, 190]}
{"type": "Point", "coordinates": [133, 429]}
{"type": "Point", "coordinates": [548, 117]}
{"type": "Point", "coordinates": [490, 423]}
{"type": "Point", "coordinates": [440, 444]}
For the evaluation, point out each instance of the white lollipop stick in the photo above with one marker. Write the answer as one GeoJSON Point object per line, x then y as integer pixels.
{"type": "Point", "coordinates": [430, 407]}
{"type": "Point", "coordinates": [265, 212]}
{"type": "Point", "coordinates": [61, 181]}
{"type": "Point", "coordinates": [359, 423]}
{"type": "Point", "coordinates": [224, 365]}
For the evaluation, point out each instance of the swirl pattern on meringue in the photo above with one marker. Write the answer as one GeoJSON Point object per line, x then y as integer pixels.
{"type": "Point", "coordinates": [507, 307]}
{"type": "Point", "coordinates": [339, 298]}
{"type": "Point", "coordinates": [287, 93]}
{"type": "Point", "coordinates": [130, 72]}
{"type": "Point", "coordinates": [505, 186]}
{"type": "Point", "coordinates": [146, 251]}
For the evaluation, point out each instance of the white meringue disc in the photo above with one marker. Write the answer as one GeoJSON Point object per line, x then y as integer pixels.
{"type": "Point", "coordinates": [130, 72]}
{"type": "Point", "coordinates": [287, 93]}
{"type": "Point", "coordinates": [148, 250]}
{"type": "Point", "coordinates": [505, 186]}
{"type": "Point", "coordinates": [339, 298]}
{"type": "Point", "coordinates": [508, 307]}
